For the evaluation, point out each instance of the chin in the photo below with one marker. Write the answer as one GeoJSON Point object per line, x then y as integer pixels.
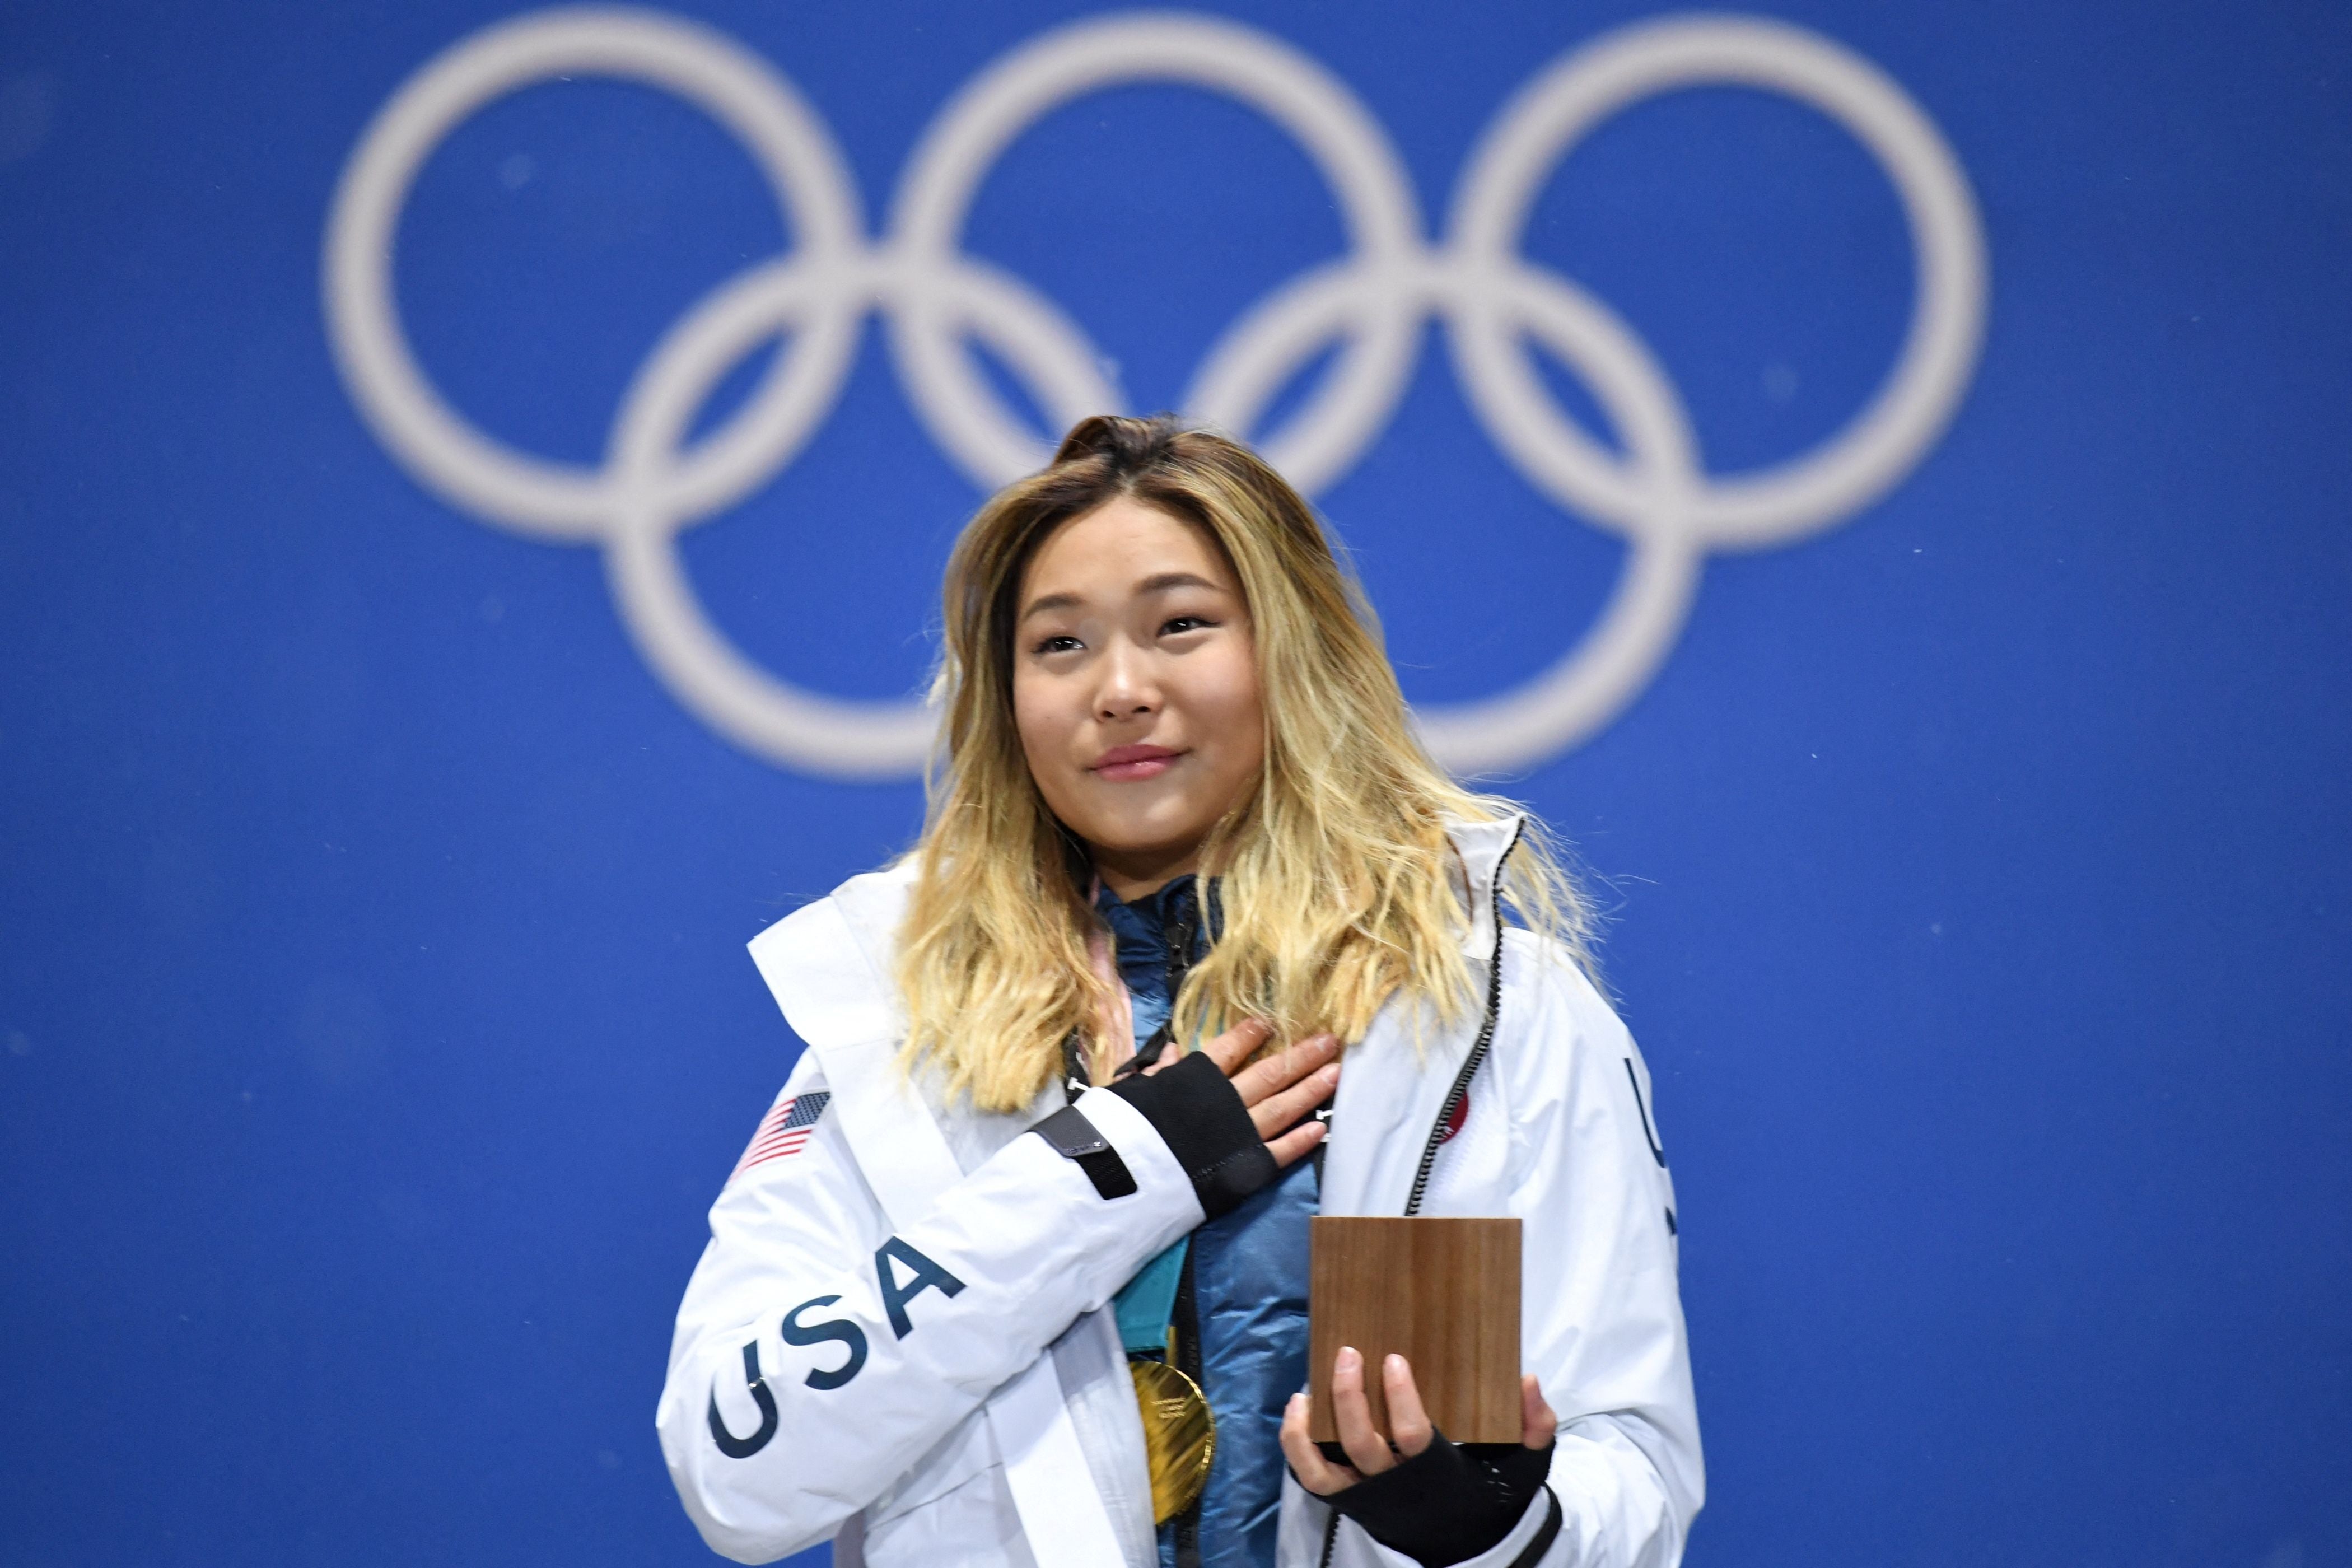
{"type": "Point", "coordinates": [1130, 836]}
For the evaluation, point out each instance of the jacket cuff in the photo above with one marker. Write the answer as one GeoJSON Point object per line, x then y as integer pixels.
{"type": "Point", "coordinates": [1530, 1543]}
{"type": "Point", "coordinates": [1143, 1152]}
{"type": "Point", "coordinates": [1069, 1134]}
{"type": "Point", "coordinates": [1450, 1504]}
{"type": "Point", "coordinates": [1200, 1116]}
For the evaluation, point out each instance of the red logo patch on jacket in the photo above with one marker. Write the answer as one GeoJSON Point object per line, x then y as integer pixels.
{"type": "Point", "coordinates": [1456, 1119]}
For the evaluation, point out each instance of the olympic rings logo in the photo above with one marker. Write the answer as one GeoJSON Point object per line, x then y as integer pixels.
{"type": "Point", "coordinates": [937, 299]}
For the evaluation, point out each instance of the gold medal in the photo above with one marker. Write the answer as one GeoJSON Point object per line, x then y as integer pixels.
{"type": "Point", "coordinates": [1179, 1436]}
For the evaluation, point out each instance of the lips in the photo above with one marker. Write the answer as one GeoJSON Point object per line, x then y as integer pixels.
{"type": "Point", "coordinates": [1123, 765]}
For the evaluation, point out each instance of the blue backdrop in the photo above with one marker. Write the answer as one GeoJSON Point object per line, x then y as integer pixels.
{"type": "Point", "coordinates": [376, 1022]}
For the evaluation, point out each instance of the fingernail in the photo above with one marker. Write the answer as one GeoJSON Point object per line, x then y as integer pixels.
{"type": "Point", "coordinates": [1329, 1074]}
{"type": "Point", "coordinates": [1349, 1360]}
{"type": "Point", "coordinates": [1394, 1362]}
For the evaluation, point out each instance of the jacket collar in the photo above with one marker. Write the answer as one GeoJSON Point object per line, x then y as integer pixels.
{"type": "Point", "coordinates": [873, 905]}
{"type": "Point", "coordinates": [829, 966]}
{"type": "Point", "coordinates": [1482, 848]}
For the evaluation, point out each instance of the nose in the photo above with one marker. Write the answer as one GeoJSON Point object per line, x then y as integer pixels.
{"type": "Point", "coordinates": [1127, 689]}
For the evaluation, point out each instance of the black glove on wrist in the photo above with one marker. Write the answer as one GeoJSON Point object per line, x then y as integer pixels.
{"type": "Point", "coordinates": [1198, 1114]}
{"type": "Point", "coordinates": [1449, 1503]}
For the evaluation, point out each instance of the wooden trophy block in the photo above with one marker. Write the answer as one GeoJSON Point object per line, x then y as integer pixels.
{"type": "Point", "coordinates": [1442, 1293]}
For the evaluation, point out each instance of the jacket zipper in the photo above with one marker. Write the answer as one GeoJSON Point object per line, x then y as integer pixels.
{"type": "Point", "coordinates": [1478, 1050]}
{"type": "Point", "coordinates": [1178, 932]}
{"type": "Point", "coordinates": [1470, 1066]}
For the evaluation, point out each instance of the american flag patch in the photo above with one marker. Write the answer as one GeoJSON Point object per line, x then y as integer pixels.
{"type": "Point", "coordinates": [784, 1129]}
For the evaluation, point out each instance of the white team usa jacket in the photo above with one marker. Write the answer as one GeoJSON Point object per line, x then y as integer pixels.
{"type": "Point", "coordinates": [899, 1336]}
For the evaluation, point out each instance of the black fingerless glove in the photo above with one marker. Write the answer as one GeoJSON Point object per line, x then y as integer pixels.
{"type": "Point", "coordinates": [1198, 1114]}
{"type": "Point", "coordinates": [1451, 1502]}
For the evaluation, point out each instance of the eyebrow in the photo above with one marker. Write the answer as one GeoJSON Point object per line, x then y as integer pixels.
{"type": "Point", "coordinates": [1163, 582]}
{"type": "Point", "coordinates": [1167, 580]}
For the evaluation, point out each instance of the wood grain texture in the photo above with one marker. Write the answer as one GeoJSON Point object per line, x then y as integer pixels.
{"type": "Point", "coordinates": [1442, 1293]}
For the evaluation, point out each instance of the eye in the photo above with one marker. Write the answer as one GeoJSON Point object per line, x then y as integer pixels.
{"type": "Point", "coordinates": [1058, 642]}
{"type": "Point", "coordinates": [1177, 624]}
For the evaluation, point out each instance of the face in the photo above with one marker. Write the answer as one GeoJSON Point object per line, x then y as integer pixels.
{"type": "Point", "coordinates": [1135, 688]}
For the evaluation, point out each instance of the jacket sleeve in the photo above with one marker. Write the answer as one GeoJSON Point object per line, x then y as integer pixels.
{"type": "Point", "coordinates": [1599, 1277]}
{"type": "Point", "coordinates": [820, 1354]}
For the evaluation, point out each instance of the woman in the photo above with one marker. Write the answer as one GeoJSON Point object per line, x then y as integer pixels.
{"type": "Point", "coordinates": [1179, 800]}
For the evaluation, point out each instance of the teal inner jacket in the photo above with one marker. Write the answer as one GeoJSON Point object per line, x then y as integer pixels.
{"type": "Point", "coordinates": [1248, 1278]}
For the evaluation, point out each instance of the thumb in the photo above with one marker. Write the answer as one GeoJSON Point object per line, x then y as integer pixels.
{"type": "Point", "coordinates": [1538, 1425]}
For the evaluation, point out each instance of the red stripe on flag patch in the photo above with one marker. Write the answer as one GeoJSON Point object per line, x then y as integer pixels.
{"type": "Point", "coordinates": [785, 1128]}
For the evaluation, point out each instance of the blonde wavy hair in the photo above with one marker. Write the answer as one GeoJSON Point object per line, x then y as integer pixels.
{"type": "Point", "coordinates": [1340, 889]}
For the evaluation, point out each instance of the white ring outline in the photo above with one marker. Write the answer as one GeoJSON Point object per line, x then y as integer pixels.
{"type": "Point", "coordinates": [1541, 127]}
{"type": "Point", "coordinates": [972, 131]}
{"type": "Point", "coordinates": [439, 447]}
{"type": "Point", "coordinates": [1656, 496]}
